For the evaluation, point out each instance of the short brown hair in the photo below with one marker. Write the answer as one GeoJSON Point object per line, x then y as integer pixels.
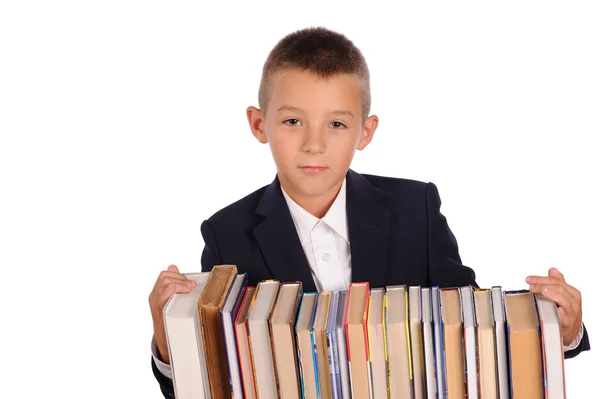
{"type": "Point", "coordinates": [321, 51]}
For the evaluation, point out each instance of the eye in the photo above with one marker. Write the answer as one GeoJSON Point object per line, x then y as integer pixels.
{"type": "Point", "coordinates": [292, 122]}
{"type": "Point", "coordinates": [338, 125]}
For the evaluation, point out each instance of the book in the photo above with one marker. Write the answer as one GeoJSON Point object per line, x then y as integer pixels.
{"type": "Point", "coordinates": [210, 303]}
{"type": "Point", "coordinates": [260, 339]}
{"type": "Point", "coordinates": [486, 345]}
{"type": "Point", "coordinates": [185, 343]}
{"type": "Point", "coordinates": [377, 349]}
{"type": "Point", "coordinates": [524, 360]}
{"type": "Point", "coordinates": [282, 324]}
{"type": "Point", "coordinates": [228, 313]}
{"type": "Point", "coordinates": [470, 341]}
{"type": "Point", "coordinates": [342, 345]}
{"type": "Point", "coordinates": [501, 343]}
{"type": "Point", "coordinates": [416, 341]}
{"type": "Point", "coordinates": [243, 343]}
{"type": "Point", "coordinates": [308, 377]}
{"type": "Point", "coordinates": [552, 348]}
{"type": "Point", "coordinates": [452, 327]}
{"type": "Point", "coordinates": [318, 337]}
{"type": "Point", "coordinates": [356, 337]}
{"type": "Point", "coordinates": [428, 347]}
{"type": "Point", "coordinates": [398, 344]}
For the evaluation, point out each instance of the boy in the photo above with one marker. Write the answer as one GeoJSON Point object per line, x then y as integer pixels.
{"type": "Point", "coordinates": [320, 222]}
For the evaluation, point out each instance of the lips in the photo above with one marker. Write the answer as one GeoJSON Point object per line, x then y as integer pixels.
{"type": "Point", "coordinates": [313, 169]}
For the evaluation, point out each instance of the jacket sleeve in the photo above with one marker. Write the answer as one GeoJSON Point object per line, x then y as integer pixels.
{"type": "Point", "coordinates": [210, 257]}
{"type": "Point", "coordinates": [444, 266]}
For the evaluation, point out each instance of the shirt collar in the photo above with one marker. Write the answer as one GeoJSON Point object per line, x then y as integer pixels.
{"type": "Point", "coordinates": [334, 218]}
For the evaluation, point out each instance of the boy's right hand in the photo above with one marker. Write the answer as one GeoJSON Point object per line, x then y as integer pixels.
{"type": "Point", "coordinates": [169, 281]}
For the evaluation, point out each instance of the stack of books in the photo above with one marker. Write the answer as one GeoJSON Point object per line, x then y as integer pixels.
{"type": "Point", "coordinates": [230, 340]}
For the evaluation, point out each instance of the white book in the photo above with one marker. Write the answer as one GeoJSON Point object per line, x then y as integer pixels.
{"type": "Point", "coordinates": [470, 340]}
{"type": "Point", "coordinates": [426, 313]}
{"type": "Point", "coordinates": [501, 348]}
{"type": "Point", "coordinates": [185, 343]}
{"type": "Point", "coordinates": [260, 339]}
{"type": "Point", "coordinates": [437, 340]}
{"type": "Point", "coordinates": [552, 348]}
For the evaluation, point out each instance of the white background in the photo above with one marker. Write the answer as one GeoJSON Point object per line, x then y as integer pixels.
{"type": "Point", "coordinates": [123, 127]}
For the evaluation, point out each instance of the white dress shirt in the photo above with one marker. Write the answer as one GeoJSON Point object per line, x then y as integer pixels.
{"type": "Point", "coordinates": [326, 244]}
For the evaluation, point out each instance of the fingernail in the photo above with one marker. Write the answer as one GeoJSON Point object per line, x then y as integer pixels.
{"type": "Point", "coordinates": [528, 279]}
{"type": "Point", "coordinates": [545, 289]}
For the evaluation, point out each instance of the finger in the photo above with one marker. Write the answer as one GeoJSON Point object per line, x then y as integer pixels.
{"type": "Point", "coordinates": [558, 294]}
{"type": "Point", "coordinates": [169, 280]}
{"type": "Point", "coordinates": [553, 272]}
{"type": "Point", "coordinates": [170, 289]}
{"type": "Point", "coordinates": [543, 280]}
{"type": "Point", "coordinates": [173, 268]}
{"type": "Point", "coordinates": [564, 318]}
{"type": "Point", "coordinates": [175, 275]}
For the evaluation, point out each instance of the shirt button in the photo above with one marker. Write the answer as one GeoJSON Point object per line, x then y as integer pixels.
{"type": "Point", "coordinates": [326, 257]}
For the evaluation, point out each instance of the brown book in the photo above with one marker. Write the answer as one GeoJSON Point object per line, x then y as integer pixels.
{"type": "Point", "coordinates": [453, 343]}
{"type": "Point", "coordinates": [357, 341]}
{"type": "Point", "coordinates": [283, 339]}
{"type": "Point", "coordinates": [525, 362]}
{"type": "Point", "coordinates": [210, 304]}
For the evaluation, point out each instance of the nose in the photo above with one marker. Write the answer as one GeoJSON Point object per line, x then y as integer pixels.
{"type": "Point", "coordinates": [315, 141]}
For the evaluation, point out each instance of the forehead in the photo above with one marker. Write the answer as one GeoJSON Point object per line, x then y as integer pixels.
{"type": "Point", "coordinates": [309, 91]}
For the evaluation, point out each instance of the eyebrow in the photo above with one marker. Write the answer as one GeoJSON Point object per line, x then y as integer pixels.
{"type": "Point", "coordinates": [296, 109]}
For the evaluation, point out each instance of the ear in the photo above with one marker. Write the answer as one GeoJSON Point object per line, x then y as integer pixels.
{"type": "Point", "coordinates": [255, 119]}
{"type": "Point", "coordinates": [368, 132]}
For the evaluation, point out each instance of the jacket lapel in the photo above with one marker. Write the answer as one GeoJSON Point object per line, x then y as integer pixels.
{"type": "Point", "coordinates": [368, 230]}
{"type": "Point", "coordinates": [279, 242]}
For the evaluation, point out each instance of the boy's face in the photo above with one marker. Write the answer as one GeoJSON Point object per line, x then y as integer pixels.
{"type": "Point", "coordinates": [313, 126]}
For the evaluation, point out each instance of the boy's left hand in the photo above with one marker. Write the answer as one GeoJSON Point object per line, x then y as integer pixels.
{"type": "Point", "coordinates": [568, 299]}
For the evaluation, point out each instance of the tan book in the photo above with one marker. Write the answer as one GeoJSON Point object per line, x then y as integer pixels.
{"type": "Point", "coordinates": [210, 304]}
{"type": "Point", "coordinates": [486, 344]}
{"type": "Point", "coordinates": [319, 339]}
{"type": "Point", "coordinates": [452, 328]}
{"type": "Point", "coordinates": [305, 347]}
{"type": "Point", "coordinates": [356, 331]}
{"type": "Point", "coordinates": [416, 341]}
{"type": "Point", "coordinates": [243, 344]}
{"type": "Point", "coordinates": [377, 350]}
{"type": "Point", "coordinates": [284, 339]}
{"type": "Point", "coordinates": [470, 340]}
{"type": "Point", "coordinates": [260, 339]}
{"type": "Point", "coordinates": [525, 363]}
{"type": "Point", "coordinates": [397, 332]}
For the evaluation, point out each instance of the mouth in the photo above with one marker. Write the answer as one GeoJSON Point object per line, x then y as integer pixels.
{"type": "Point", "coordinates": [311, 169]}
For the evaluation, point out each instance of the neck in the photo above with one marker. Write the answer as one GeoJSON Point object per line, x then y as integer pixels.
{"type": "Point", "coordinates": [316, 205]}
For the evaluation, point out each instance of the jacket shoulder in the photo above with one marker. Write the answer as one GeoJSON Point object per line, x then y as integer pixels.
{"type": "Point", "coordinates": [395, 186]}
{"type": "Point", "coordinates": [236, 211]}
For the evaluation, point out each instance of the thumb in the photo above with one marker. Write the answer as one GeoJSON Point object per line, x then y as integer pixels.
{"type": "Point", "coordinates": [172, 268]}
